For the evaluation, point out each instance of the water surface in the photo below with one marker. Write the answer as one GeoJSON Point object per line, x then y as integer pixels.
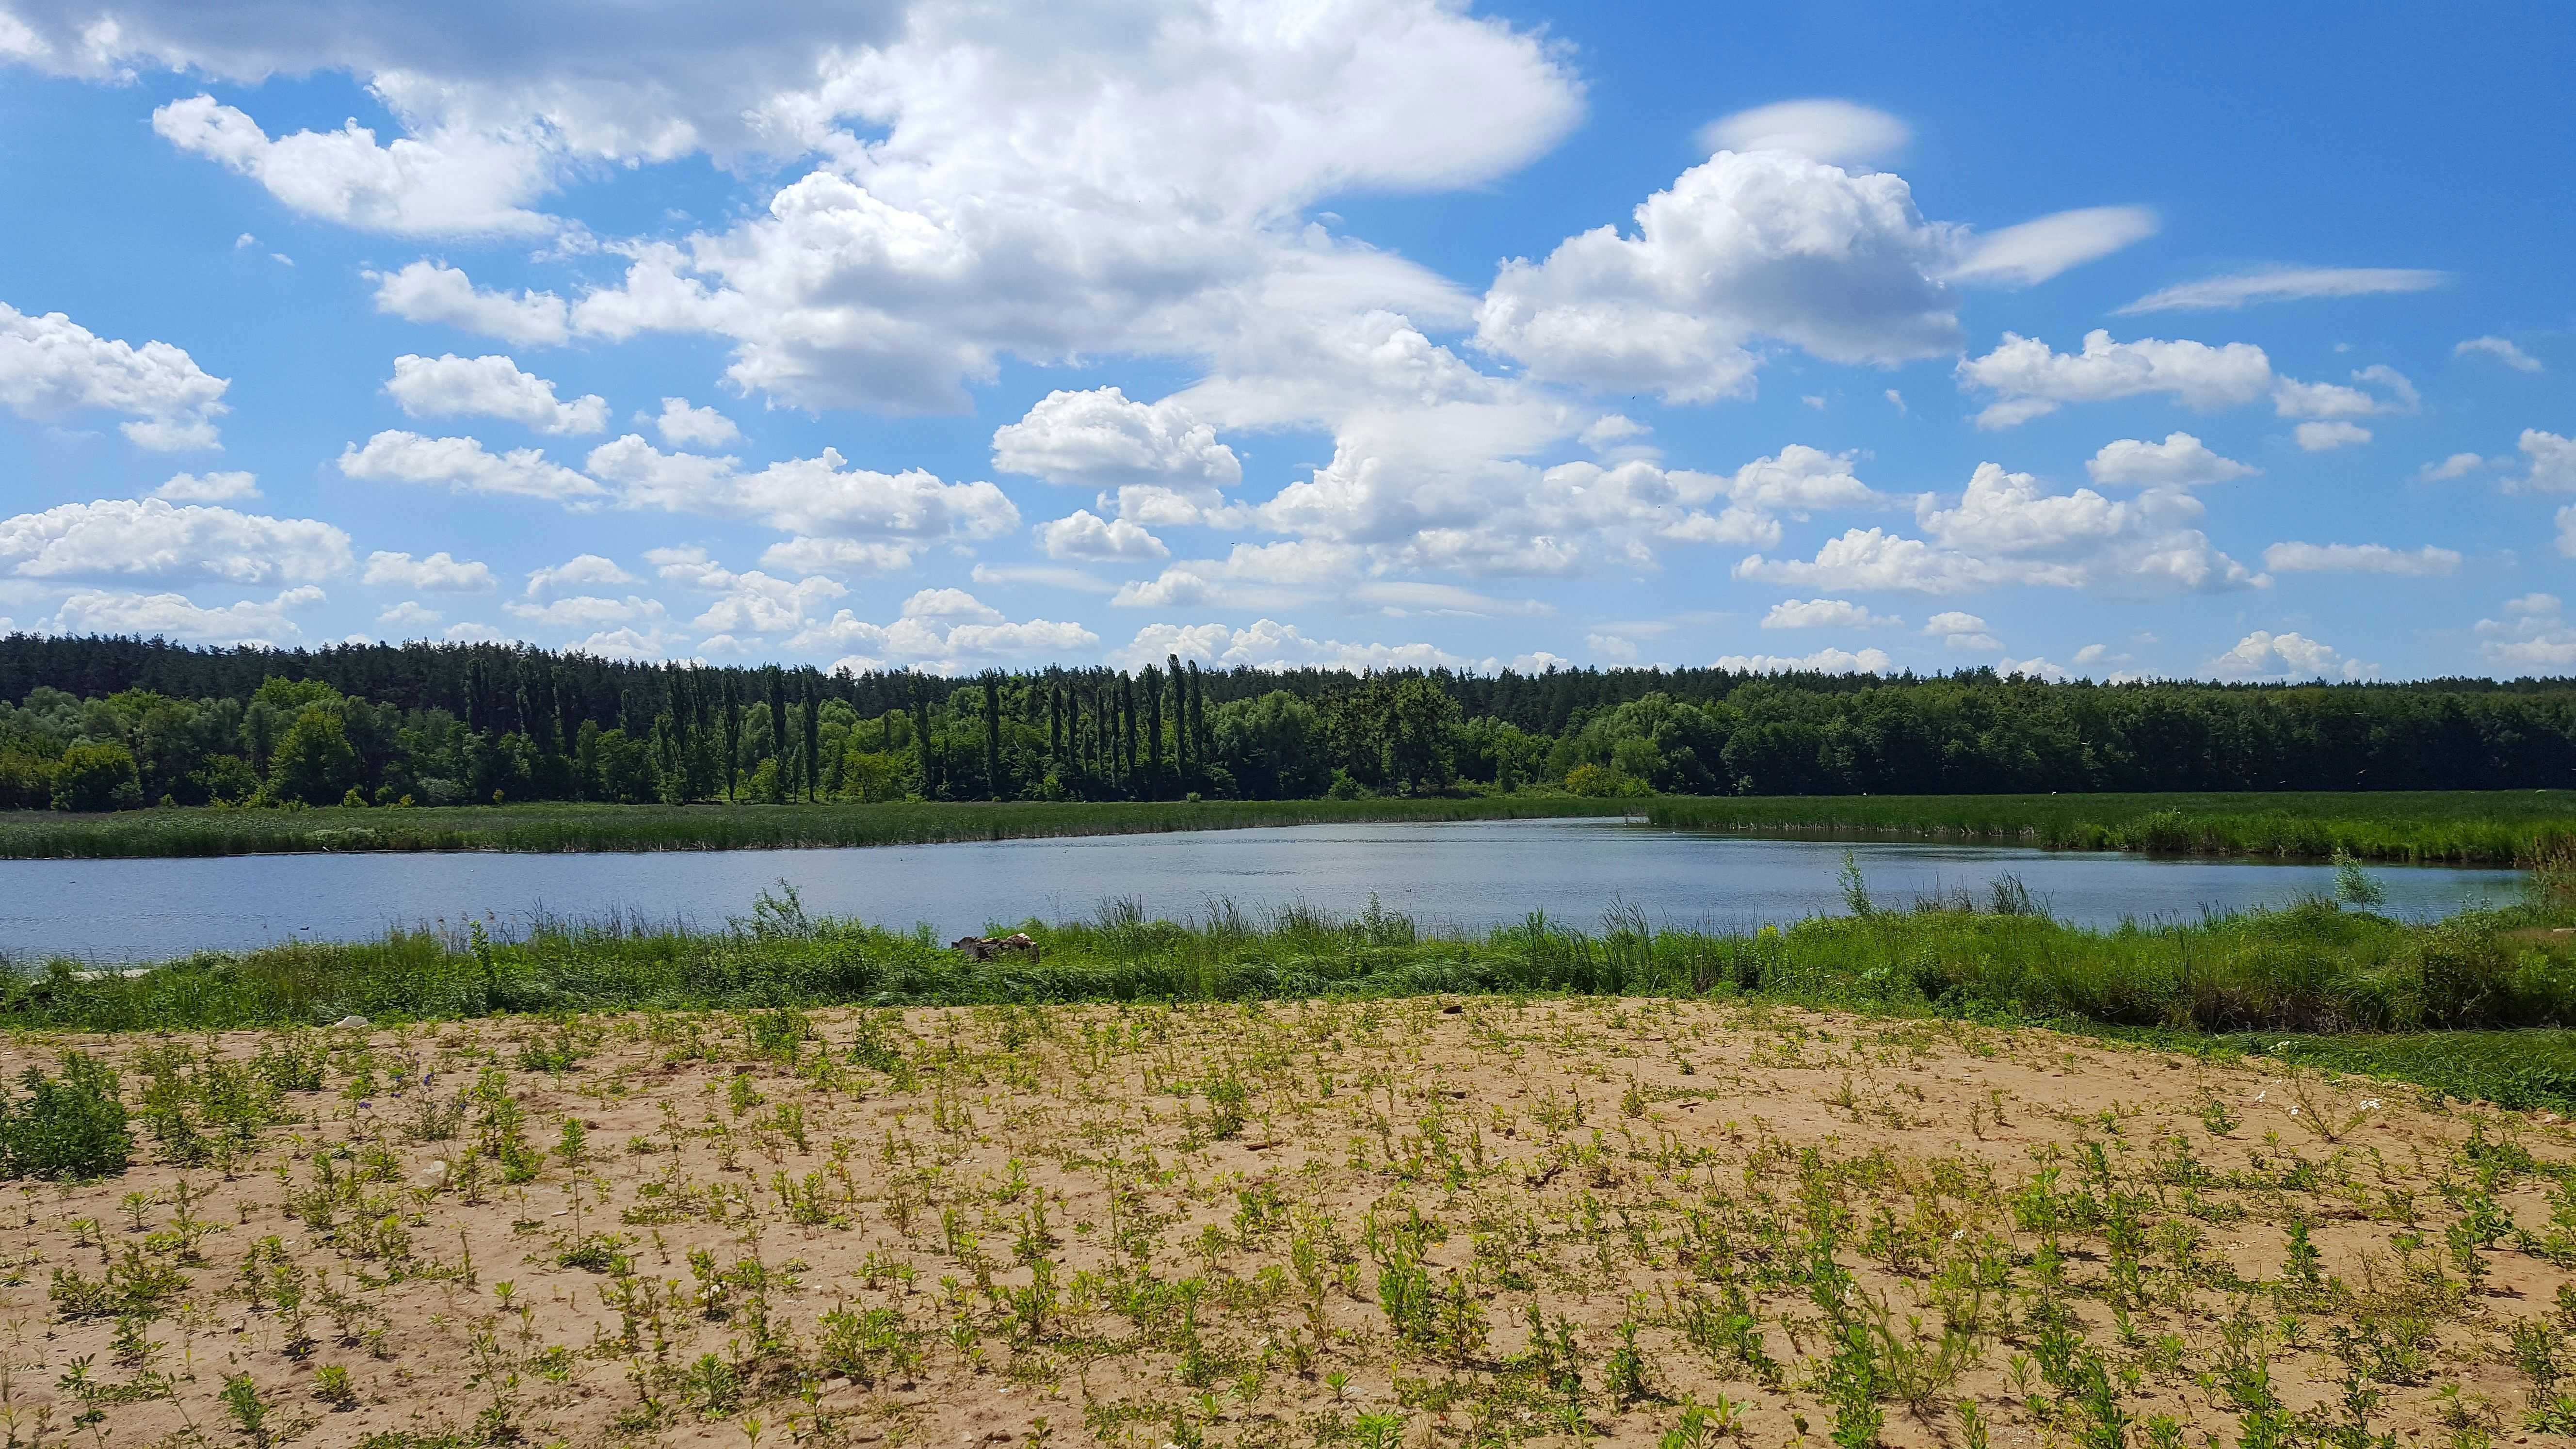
{"type": "Point", "coordinates": [1460, 875]}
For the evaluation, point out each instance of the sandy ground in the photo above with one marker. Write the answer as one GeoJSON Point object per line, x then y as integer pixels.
{"type": "Point", "coordinates": [1418, 1223]}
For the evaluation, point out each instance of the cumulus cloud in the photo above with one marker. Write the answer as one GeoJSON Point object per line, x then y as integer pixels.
{"type": "Point", "coordinates": [2551, 463]}
{"type": "Point", "coordinates": [493, 386]}
{"type": "Point", "coordinates": [51, 367]}
{"type": "Point", "coordinates": [463, 465]}
{"type": "Point", "coordinates": [2326, 437]}
{"type": "Point", "coordinates": [2285, 284]}
{"type": "Point", "coordinates": [942, 630]}
{"type": "Point", "coordinates": [749, 603]}
{"type": "Point", "coordinates": [2499, 349]}
{"type": "Point", "coordinates": [846, 557]}
{"type": "Point", "coordinates": [1744, 246]}
{"type": "Point", "coordinates": [226, 487]}
{"type": "Point", "coordinates": [581, 571]}
{"type": "Point", "coordinates": [426, 291]}
{"type": "Point", "coordinates": [818, 497]}
{"type": "Point", "coordinates": [452, 182]}
{"type": "Point", "coordinates": [1823, 661]}
{"type": "Point", "coordinates": [1823, 614]}
{"type": "Point", "coordinates": [2031, 380]}
{"type": "Point", "coordinates": [683, 426]}
{"type": "Point", "coordinates": [584, 611]}
{"type": "Point", "coordinates": [1083, 534]}
{"type": "Point", "coordinates": [2458, 465]}
{"type": "Point", "coordinates": [2007, 528]}
{"type": "Point", "coordinates": [175, 616]}
{"type": "Point", "coordinates": [2266, 655]}
{"type": "Point", "coordinates": [150, 538]}
{"type": "Point", "coordinates": [1958, 629]}
{"type": "Point", "coordinates": [411, 615]}
{"type": "Point", "coordinates": [1099, 439]}
{"type": "Point", "coordinates": [2361, 558]}
{"type": "Point", "coordinates": [440, 573]}
{"type": "Point", "coordinates": [2532, 638]}
{"type": "Point", "coordinates": [2180, 461]}
{"type": "Point", "coordinates": [1050, 186]}
{"type": "Point", "coordinates": [1269, 644]}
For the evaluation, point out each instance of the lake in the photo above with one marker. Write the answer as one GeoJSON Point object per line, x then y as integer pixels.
{"type": "Point", "coordinates": [1464, 876]}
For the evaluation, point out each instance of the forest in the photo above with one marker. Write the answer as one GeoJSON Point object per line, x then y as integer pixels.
{"type": "Point", "coordinates": [94, 724]}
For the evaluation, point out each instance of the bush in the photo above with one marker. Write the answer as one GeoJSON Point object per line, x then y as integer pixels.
{"type": "Point", "coordinates": [97, 777]}
{"type": "Point", "coordinates": [70, 1126]}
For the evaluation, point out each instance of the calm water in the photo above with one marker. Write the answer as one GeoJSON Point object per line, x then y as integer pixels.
{"type": "Point", "coordinates": [1461, 876]}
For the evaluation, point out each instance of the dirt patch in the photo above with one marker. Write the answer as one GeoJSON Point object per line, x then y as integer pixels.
{"type": "Point", "coordinates": [1420, 1223]}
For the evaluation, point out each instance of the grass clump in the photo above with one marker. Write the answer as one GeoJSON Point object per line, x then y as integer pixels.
{"type": "Point", "coordinates": [67, 1126]}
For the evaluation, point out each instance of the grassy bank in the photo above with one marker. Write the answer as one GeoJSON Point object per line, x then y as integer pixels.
{"type": "Point", "coordinates": [2359, 980]}
{"type": "Point", "coordinates": [40, 835]}
{"type": "Point", "coordinates": [2458, 827]}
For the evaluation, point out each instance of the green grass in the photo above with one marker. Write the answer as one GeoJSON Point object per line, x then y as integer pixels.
{"type": "Point", "coordinates": [2469, 1005]}
{"type": "Point", "coordinates": [42, 835]}
{"type": "Point", "coordinates": [2459, 827]}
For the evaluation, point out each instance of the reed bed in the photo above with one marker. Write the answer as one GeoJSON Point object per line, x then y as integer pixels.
{"type": "Point", "coordinates": [2313, 970]}
{"type": "Point", "coordinates": [2453, 827]}
{"type": "Point", "coordinates": [561, 828]}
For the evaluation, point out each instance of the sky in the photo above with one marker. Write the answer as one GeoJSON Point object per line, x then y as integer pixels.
{"type": "Point", "coordinates": [2188, 341]}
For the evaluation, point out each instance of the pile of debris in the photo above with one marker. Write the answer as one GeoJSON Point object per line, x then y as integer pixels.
{"type": "Point", "coordinates": [985, 948]}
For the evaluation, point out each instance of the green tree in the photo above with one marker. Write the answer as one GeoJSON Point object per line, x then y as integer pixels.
{"type": "Point", "coordinates": [313, 761]}
{"type": "Point", "coordinates": [97, 775]}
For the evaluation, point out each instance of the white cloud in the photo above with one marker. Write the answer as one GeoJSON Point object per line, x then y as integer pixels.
{"type": "Point", "coordinates": [584, 611]}
{"type": "Point", "coordinates": [448, 183]}
{"type": "Point", "coordinates": [2293, 399]}
{"type": "Point", "coordinates": [1268, 643]}
{"type": "Point", "coordinates": [450, 386]}
{"type": "Point", "coordinates": [473, 633]}
{"type": "Point", "coordinates": [2326, 437]}
{"type": "Point", "coordinates": [2034, 668]}
{"type": "Point", "coordinates": [1823, 614]}
{"type": "Point", "coordinates": [437, 574]}
{"type": "Point", "coordinates": [2030, 379]}
{"type": "Point", "coordinates": [819, 497]}
{"type": "Point", "coordinates": [1823, 661]}
{"type": "Point", "coordinates": [1082, 534]}
{"type": "Point", "coordinates": [1799, 479]}
{"type": "Point", "coordinates": [683, 426]}
{"type": "Point", "coordinates": [581, 571]}
{"type": "Point", "coordinates": [2006, 529]}
{"type": "Point", "coordinates": [1611, 430]}
{"type": "Point", "coordinates": [749, 603]}
{"type": "Point", "coordinates": [2553, 463]}
{"type": "Point", "coordinates": [2501, 350]}
{"type": "Point", "coordinates": [462, 464]}
{"type": "Point", "coordinates": [1613, 647]}
{"type": "Point", "coordinates": [2364, 558]}
{"type": "Point", "coordinates": [839, 556]}
{"type": "Point", "coordinates": [51, 366]}
{"type": "Point", "coordinates": [2180, 461]}
{"type": "Point", "coordinates": [150, 538]}
{"type": "Point", "coordinates": [941, 630]}
{"type": "Point", "coordinates": [1958, 629]}
{"type": "Point", "coordinates": [1099, 439]}
{"type": "Point", "coordinates": [2285, 284]}
{"type": "Point", "coordinates": [426, 291]}
{"type": "Point", "coordinates": [410, 614]}
{"type": "Point", "coordinates": [2567, 531]}
{"type": "Point", "coordinates": [1402, 598]}
{"type": "Point", "coordinates": [1844, 133]}
{"type": "Point", "coordinates": [1051, 576]}
{"type": "Point", "coordinates": [1051, 185]}
{"type": "Point", "coordinates": [2535, 639]}
{"type": "Point", "coordinates": [950, 604]}
{"type": "Point", "coordinates": [228, 487]}
{"type": "Point", "coordinates": [2458, 465]}
{"type": "Point", "coordinates": [175, 616]}
{"type": "Point", "coordinates": [2265, 655]}
{"type": "Point", "coordinates": [2034, 251]}
{"type": "Point", "coordinates": [1744, 246]}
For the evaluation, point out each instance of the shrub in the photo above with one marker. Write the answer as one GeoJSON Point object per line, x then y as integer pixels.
{"type": "Point", "coordinates": [97, 777]}
{"type": "Point", "coordinates": [67, 1126]}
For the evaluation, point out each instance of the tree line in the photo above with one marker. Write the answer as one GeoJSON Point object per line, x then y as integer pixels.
{"type": "Point", "coordinates": [113, 723]}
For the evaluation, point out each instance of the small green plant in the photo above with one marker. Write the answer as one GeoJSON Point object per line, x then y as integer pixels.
{"type": "Point", "coordinates": [331, 1386]}
{"type": "Point", "coordinates": [248, 1410]}
{"type": "Point", "coordinates": [67, 1126]}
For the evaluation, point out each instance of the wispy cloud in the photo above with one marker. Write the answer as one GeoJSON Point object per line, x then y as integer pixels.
{"type": "Point", "coordinates": [2285, 284]}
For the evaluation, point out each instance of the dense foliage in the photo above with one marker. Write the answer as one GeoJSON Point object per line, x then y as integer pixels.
{"type": "Point", "coordinates": [101, 724]}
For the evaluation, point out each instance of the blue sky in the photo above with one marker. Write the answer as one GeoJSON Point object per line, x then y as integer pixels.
{"type": "Point", "coordinates": [2195, 343]}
